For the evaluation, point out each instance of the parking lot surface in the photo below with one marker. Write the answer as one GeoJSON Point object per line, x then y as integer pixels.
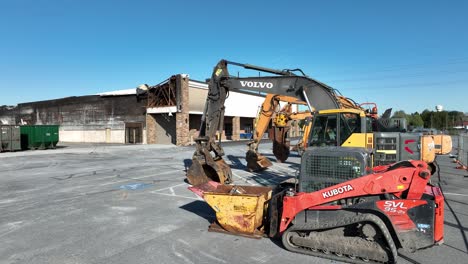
{"type": "Point", "coordinates": [130, 204]}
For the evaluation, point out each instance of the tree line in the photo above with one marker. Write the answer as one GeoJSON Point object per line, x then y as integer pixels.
{"type": "Point", "coordinates": [443, 120]}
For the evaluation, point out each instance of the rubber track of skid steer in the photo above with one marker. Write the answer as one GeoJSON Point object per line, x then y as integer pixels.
{"type": "Point", "coordinates": [340, 223]}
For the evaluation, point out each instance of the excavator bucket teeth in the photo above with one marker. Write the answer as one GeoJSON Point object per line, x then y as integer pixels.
{"type": "Point", "coordinates": [224, 173]}
{"type": "Point", "coordinates": [257, 162]}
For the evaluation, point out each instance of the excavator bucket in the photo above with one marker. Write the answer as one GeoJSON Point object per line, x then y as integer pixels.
{"type": "Point", "coordinates": [281, 143]}
{"type": "Point", "coordinates": [240, 210]}
{"type": "Point", "coordinates": [281, 150]}
{"type": "Point", "coordinates": [208, 169]}
{"type": "Point", "coordinates": [256, 162]}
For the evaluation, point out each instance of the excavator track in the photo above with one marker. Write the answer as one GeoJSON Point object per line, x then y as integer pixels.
{"type": "Point", "coordinates": [324, 240]}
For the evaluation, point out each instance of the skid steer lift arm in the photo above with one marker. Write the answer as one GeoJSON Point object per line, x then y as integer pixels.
{"type": "Point", "coordinates": [207, 161]}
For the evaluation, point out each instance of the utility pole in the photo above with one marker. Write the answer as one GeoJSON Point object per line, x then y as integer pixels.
{"type": "Point", "coordinates": [446, 120]}
{"type": "Point", "coordinates": [431, 118]}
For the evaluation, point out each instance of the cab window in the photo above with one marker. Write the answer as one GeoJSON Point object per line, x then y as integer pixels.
{"type": "Point", "coordinates": [370, 125]}
{"type": "Point", "coordinates": [349, 123]}
{"type": "Point", "coordinates": [324, 132]}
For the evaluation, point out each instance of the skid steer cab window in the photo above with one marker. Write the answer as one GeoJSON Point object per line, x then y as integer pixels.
{"type": "Point", "coordinates": [324, 131]}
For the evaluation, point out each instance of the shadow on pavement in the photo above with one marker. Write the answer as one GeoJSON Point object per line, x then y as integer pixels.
{"type": "Point", "coordinates": [202, 209]}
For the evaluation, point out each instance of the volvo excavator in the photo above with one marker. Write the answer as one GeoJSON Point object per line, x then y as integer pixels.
{"type": "Point", "coordinates": [340, 206]}
{"type": "Point", "coordinates": [207, 161]}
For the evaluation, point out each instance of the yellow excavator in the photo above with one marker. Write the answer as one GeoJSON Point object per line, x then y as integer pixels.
{"type": "Point", "coordinates": [281, 125]}
{"type": "Point", "coordinates": [281, 119]}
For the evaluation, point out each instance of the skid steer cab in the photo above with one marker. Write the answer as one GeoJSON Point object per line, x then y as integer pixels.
{"type": "Point", "coordinates": [338, 208]}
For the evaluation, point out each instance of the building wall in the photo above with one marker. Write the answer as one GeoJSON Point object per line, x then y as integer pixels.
{"type": "Point", "coordinates": [94, 118]}
{"type": "Point", "coordinates": [7, 115]}
{"type": "Point", "coordinates": [103, 119]}
{"type": "Point", "coordinates": [168, 112]}
{"type": "Point", "coordinates": [93, 136]}
{"type": "Point", "coordinates": [165, 129]}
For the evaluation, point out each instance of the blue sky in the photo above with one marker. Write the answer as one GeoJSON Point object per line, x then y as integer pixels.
{"type": "Point", "coordinates": [408, 55]}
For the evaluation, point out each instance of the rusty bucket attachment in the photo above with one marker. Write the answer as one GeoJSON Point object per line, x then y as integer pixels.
{"type": "Point", "coordinates": [256, 162]}
{"type": "Point", "coordinates": [281, 143]}
{"type": "Point", "coordinates": [281, 150]}
{"type": "Point", "coordinates": [240, 210]}
{"type": "Point", "coordinates": [207, 169]}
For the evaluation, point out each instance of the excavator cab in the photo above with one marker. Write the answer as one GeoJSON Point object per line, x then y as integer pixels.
{"type": "Point", "coordinates": [335, 127]}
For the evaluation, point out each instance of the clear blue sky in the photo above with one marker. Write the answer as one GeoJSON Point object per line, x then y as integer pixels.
{"type": "Point", "coordinates": [408, 55]}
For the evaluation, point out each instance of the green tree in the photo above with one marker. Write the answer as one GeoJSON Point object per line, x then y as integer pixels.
{"type": "Point", "coordinates": [426, 117]}
{"type": "Point", "coordinates": [455, 118]}
{"type": "Point", "coordinates": [416, 120]}
{"type": "Point", "coordinates": [399, 114]}
{"type": "Point", "coordinates": [402, 114]}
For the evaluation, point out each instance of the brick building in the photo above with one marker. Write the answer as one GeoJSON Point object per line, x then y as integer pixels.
{"type": "Point", "coordinates": [167, 113]}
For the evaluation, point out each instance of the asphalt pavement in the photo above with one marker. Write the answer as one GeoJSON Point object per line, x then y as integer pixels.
{"type": "Point", "coordinates": [90, 203]}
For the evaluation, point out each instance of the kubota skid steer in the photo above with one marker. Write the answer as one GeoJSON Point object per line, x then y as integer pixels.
{"type": "Point", "coordinates": [340, 209]}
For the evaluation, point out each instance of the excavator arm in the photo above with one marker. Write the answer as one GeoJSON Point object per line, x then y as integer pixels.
{"type": "Point", "coordinates": [207, 161]}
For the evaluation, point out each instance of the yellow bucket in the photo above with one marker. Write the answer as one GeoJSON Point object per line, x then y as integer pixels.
{"type": "Point", "coordinates": [239, 209]}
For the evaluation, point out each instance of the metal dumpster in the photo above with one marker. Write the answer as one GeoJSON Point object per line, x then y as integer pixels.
{"type": "Point", "coordinates": [10, 139]}
{"type": "Point", "coordinates": [39, 136]}
{"type": "Point", "coordinates": [239, 209]}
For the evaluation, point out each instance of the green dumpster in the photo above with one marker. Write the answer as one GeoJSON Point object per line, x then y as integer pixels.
{"type": "Point", "coordinates": [39, 136]}
{"type": "Point", "coordinates": [10, 138]}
